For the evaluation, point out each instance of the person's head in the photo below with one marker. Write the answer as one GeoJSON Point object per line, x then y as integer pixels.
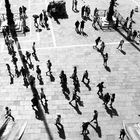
{"type": "Point", "coordinates": [58, 116]}
{"type": "Point", "coordinates": [6, 108]}
{"type": "Point", "coordinates": [95, 111]}
{"type": "Point", "coordinates": [33, 43]}
{"type": "Point", "coordinates": [102, 83]}
{"type": "Point", "coordinates": [41, 89]}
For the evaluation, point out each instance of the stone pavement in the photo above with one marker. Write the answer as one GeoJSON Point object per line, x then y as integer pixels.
{"type": "Point", "coordinates": [66, 49]}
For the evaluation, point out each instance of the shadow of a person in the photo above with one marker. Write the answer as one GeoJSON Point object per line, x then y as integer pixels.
{"type": "Point", "coordinates": [85, 137]}
{"type": "Point", "coordinates": [109, 111]}
{"type": "Point", "coordinates": [108, 68]}
{"type": "Point", "coordinates": [76, 107]}
{"type": "Point", "coordinates": [87, 85]}
{"type": "Point", "coordinates": [38, 114]}
{"type": "Point", "coordinates": [84, 34]}
{"type": "Point", "coordinates": [114, 111]}
{"type": "Point", "coordinates": [61, 131]}
{"type": "Point", "coordinates": [123, 52]}
{"type": "Point", "coordinates": [97, 128]}
{"type": "Point", "coordinates": [65, 94]}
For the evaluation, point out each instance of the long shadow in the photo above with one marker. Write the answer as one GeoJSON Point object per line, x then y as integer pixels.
{"type": "Point", "coordinates": [84, 34]}
{"type": "Point", "coordinates": [85, 137]}
{"type": "Point", "coordinates": [61, 131]}
{"type": "Point", "coordinates": [14, 36]}
{"type": "Point", "coordinates": [97, 128]}
{"type": "Point", "coordinates": [123, 52]}
{"type": "Point", "coordinates": [108, 68]}
{"type": "Point", "coordinates": [87, 85]}
{"type": "Point", "coordinates": [132, 43]}
{"type": "Point", "coordinates": [111, 111]}
{"type": "Point", "coordinates": [38, 114]}
{"type": "Point", "coordinates": [52, 78]}
{"type": "Point", "coordinates": [76, 107]}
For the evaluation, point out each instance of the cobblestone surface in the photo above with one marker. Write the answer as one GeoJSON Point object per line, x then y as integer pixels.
{"type": "Point", "coordinates": [74, 50]}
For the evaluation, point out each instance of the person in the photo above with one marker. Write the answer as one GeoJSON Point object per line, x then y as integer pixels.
{"type": "Point", "coordinates": [77, 23]}
{"type": "Point", "coordinates": [106, 98]}
{"type": "Point", "coordinates": [82, 25]}
{"type": "Point", "coordinates": [105, 59]}
{"type": "Point", "coordinates": [131, 13]}
{"type": "Point", "coordinates": [38, 71]}
{"type": "Point", "coordinates": [42, 95]}
{"type": "Point", "coordinates": [102, 48]}
{"type": "Point", "coordinates": [26, 83]}
{"type": "Point", "coordinates": [23, 72]}
{"type": "Point", "coordinates": [85, 76]}
{"type": "Point", "coordinates": [24, 10]}
{"type": "Point", "coordinates": [83, 11]}
{"type": "Point", "coordinates": [63, 78]}
{"type": "Point", "coordinates": [74, 75]}
{"type": "Point", "coordinates": [85, 130]}
{"type": "Point", "coordinates": [74, 6]}
{"type": "Point", "coordinates": [20, 12]}
{"type": "Point", "coordinates": [28, 55]}
{"type": "Point", "coordinates": [97, 41]}
{"type": "Point", "coordinates": [120, 44]}
{"type": "Point", "coordinates": [49, 65]}
{"type": "Point", "coordinates": [130, 25]}
{"type": "Point", "coordinates": [41, 19]}
{"type": "Point", "coordinates": [87, 11]}
{"type": "Point", "coordinates": [125, 23]}
{"type": "Point", "coordinates": [95, 117]}
{"type": "Point", "coordinates": [8, 113]}
{"type": "Point", "coordinates": [95, 12]}
{"type": "Point", "coordinates": [112, 99]}
{"type": "Point", "coordinates": [134, 34]}
{"type": "Point", "coordinates": [58, 120]}
{"type": "Point", "coordinates": [75, 97]}
{"type": "Point", "coordinates": [122, 134]}
{"type": "Point", "coordinates": [100, 86]}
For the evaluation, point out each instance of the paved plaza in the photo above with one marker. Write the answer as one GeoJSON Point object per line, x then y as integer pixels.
{"type": "Point", "coordinates": [66, 49]}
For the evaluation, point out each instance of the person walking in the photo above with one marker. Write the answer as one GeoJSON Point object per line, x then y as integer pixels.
{"type": "Point", "coordinates": [100, 86]}
{"type": "Point", "coordinates": [49, 65]}
{"type": "Point", "coordinates": [58, 120]}
{"type": "Point", "coordinates": [74, 6]}
{"type": "Point", "coordinates": [83, 11]}
{"type": "Point", "coordinates": [120, 44]}
{"type": "Point", "coordinates": [77, 23]}
{"type": "Point", "coordinates": [75, 97]}
{"type": "Point", "coordinates": [105, 57]}
{"type": "Point", "coordinates": [85, 76]}
{"type": "Point", "coordinates": [8, 113]}
{"type": "Point", "coordinates": [82, 25]}
{"type": "Point", "coordinates": [95, 117]}
{"type": "Point", "coordinates": [38, 71]}
{"type": "Point", "coordinates": [97, 41]}
{"type": "Point", "coordinates": [85, 130]}
{"type": "Point", "coordinates": [131, 13]}
{"type": "Point", "coordinates": [122, 134]}
{"type": "Point", "coordinates": [102, 48]}
{"type": "Point", "coordinates": [112, 99]}
{"type": "Point", "coordinates": [106, 98]}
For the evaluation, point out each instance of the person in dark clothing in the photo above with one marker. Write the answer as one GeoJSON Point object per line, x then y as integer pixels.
{"type": "Point", "coordinates": [20, 12]}
{"type": "Point", "coordinates": [34, 52]}
{"type": "Point", "coordinates": [24, 9]}
{"type": "Point", "coordinates": [11, 78]}
{"type": "Point", "coordinates": [85, 76]}
{"type": "Point", "coordinates": [75, 97]}
{"type": "Point", "coordinates": [58, 120]}
{"type": "Point", "coordinates": [131, 13]}
{"type": "Point", "coordinates": [28, 56]}
{"type": "Point", "coordinates": [23, 72]}
{"type": "Point", "coordinates": [46, 22]}
{"type": "Point", "coordinates": [112, 99]}
{"type": "Point", "coordinates": [100, 86]}
{"type": "Point", "coordinates": [74, 75]}
{"type": "Point", "coordinates": [120, 44]}
{"type": "Point", "coordinates": [95, 117]}
{"type": "Point", "coordinates": [8, 113]}
{"type": "Point", "coordinates": [49, 65]}
{"type": "Point", "coordinates": [105, 59]}
{"type": "Point", "coordinates": [41, 19]}
{"type": "Point", "coordinates": [85, 130]}
{"type": "Point", "coordinates": [125, 23]}
{"type": "Point", "coordinates": [26, 83]}
{"type": "Point", "coordinates": [122, 134]}
{"type": "Point", "coordinates": [82, 25]}
{"type": "Point", "coordinates": [134, 34]}
{"type": "Point", "coordinates": [77, 23]}
{"type": "Point", "coordinates": [102, 48]}
{"type": "Point", "coordinates": [83, 11]}
{"type": "Point", "coordinates": [38, 71]}
{"type": "Point", "coordinates": [74, 6]}
{"type": "Point", "coordinates": [106, 98]}
{"type": "Point", "coordinates": [97, 41]}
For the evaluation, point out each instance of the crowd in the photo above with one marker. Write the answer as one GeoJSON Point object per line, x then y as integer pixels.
{"type": "Point", "coordinates": [29, 80]}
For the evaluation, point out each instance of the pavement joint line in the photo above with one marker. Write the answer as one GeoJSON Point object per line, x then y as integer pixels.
{"type": "Point", "coordinates": [51, 26]}
{"type": "Point", "coordinates": [70, 46]}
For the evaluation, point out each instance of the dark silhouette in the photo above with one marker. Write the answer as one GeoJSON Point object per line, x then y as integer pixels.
{"type": "Point", "coordinates": [49, 65]}
{"type": "Point", "coordinates": [100, 86]}
{"type": "Point", "coordinates": [95, 117]}
{"type": "Point", "coordinates": [34, 52]}
{"type": "Point", "coordinates": [85, 130]}
{"type": "Point", "coordinates": [122, 134]}
{"type": "Point", "coordinates": [111, 10]}
{"type": "Point", "coordinates": [52, 78]}
{"type": "Point", "coordinates": [112, 99]}
{"type": "Point", "coordinates": [106, 98]}
{"type": "Point", "coordinates": [60, 127]}
{"type": "Point", "coordinates": [120, 44]}
{"type": "Point", "coordinates": [97, 42]}
{"type": "Point", "coordinates": [77, 23]}
{"type": "Point", "coordinates": [74, 6]}
{"type": "Point", "coordinates": [82, 25]}
{"type": "Point", "coordinates": [85, 77]}
{"type": "Point", "coordinates": [8, 113]}
{"type": "Point", "coordinates": [105, 57]}
{"type": "Point", "coordinates": [75, 98]}
{"type": "Point", "coordinates": [97, 128]}
{"type": "Point", "coordinates": [26, 83]}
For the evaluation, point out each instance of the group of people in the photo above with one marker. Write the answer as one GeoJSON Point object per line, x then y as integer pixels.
{"type": "Point", "coordinates": [41, 20]}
